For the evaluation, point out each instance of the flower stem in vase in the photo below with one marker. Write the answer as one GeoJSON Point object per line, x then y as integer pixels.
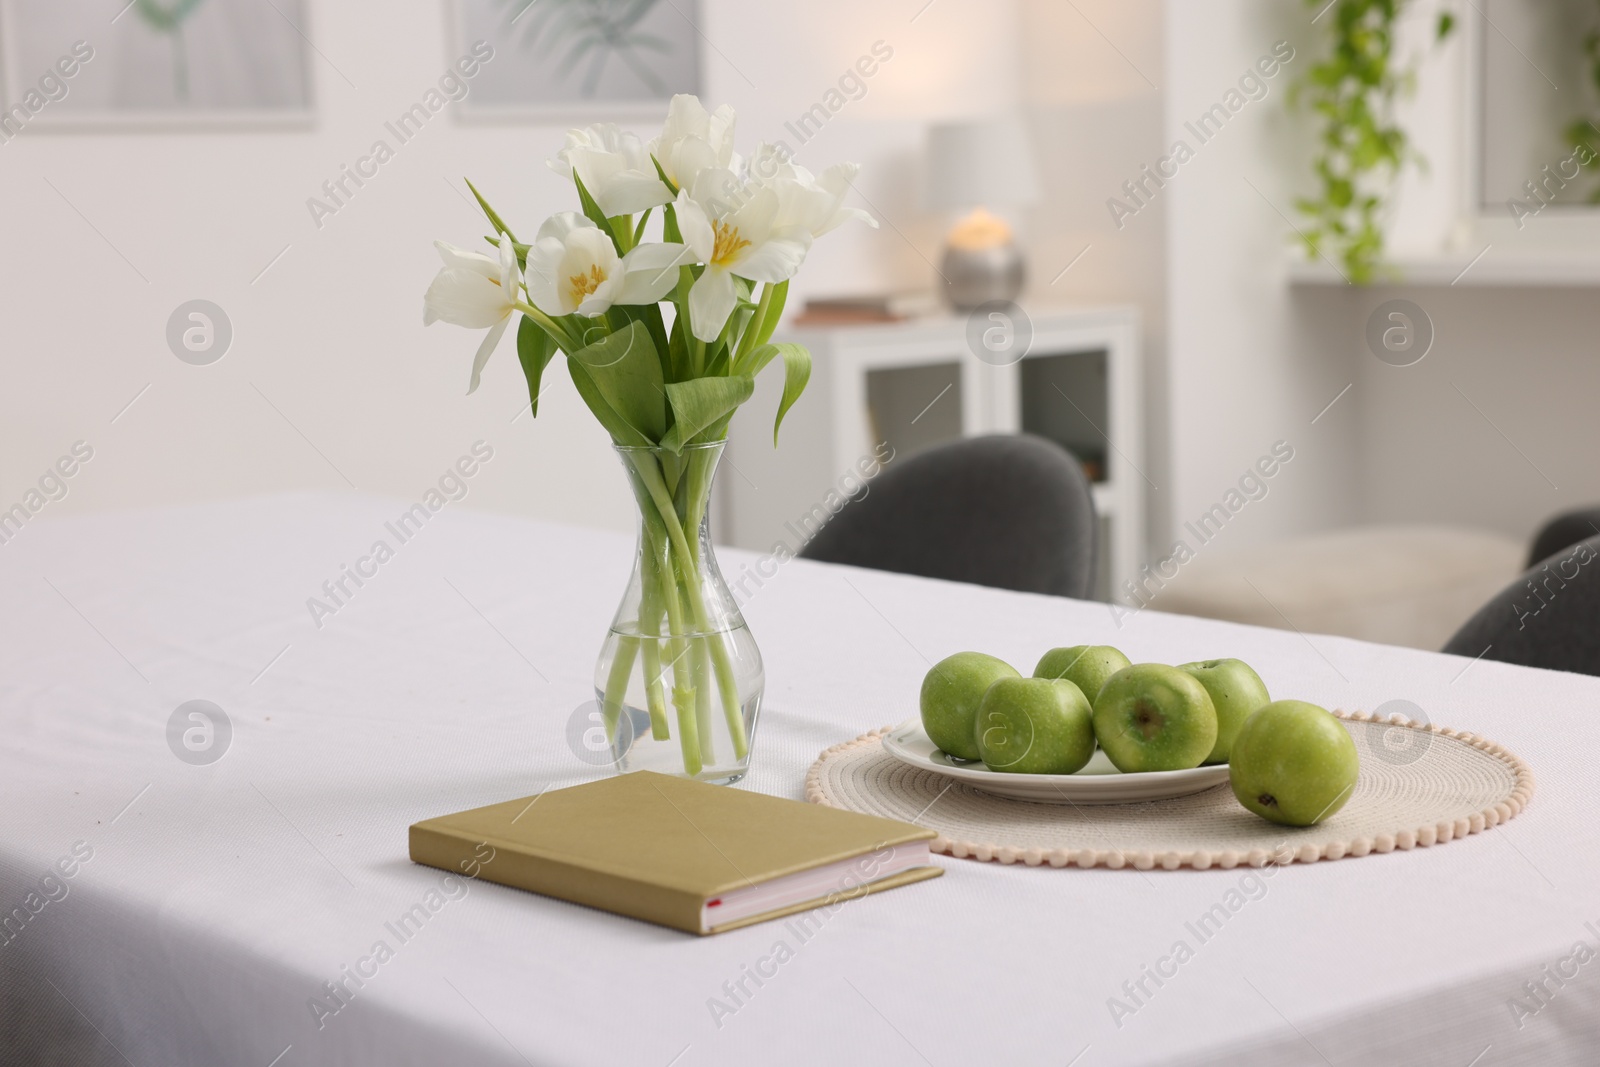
{"type": "Point", "coordinates": [678, 647]}
{"type": "Point", "coordinates": [660, 586]}
{"type": "Point", "coordinates": [701, 468]}
{"type": "Point", "coordinates": [661, 505]}
{"type": "Point", "coordinates": [617, 682]}
{"type": "Point", "coordinates": [650, 646]}
{"type": "Point", "coordinates": [702, 694]}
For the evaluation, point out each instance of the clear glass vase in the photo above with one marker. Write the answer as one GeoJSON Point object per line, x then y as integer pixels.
{"type": "Point", "coordinates": [679, 679]}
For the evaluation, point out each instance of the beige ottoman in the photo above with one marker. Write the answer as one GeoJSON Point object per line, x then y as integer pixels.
{"type": "Point", "coordinates": [1399, 585]}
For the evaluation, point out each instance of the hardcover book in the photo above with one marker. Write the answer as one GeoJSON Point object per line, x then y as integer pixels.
{"type": "Point", "coordinates": [677, 852]}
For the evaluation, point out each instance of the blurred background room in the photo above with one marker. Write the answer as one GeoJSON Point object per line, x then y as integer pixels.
{"type": "Point", "coordinates": [1094, 218]}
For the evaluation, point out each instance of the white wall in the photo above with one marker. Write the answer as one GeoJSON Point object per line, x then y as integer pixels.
{"type": "Point", "coordinates": [1240, 376]}
{"type": "Point", "coordinates": [1093, 75]}
{"type": "Point", "coordinates": [1525, 357]}
{"type": "Point", "coordinates": [332, 333]}
{"type": "Point", "coordinates": [1421, 451]}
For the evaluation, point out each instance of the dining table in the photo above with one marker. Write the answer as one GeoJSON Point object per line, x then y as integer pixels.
{"type": "Point", "coordinates": [215, 740]}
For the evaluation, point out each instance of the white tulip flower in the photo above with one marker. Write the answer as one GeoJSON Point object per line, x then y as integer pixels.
{"type": "Point", "coordinates": [615, 168]}
{"type": "Point", "coordinates": [477, 292]}
{"type": "Point", "coordinates": [734, 229]}
{"type": "Point", "coordinates": [694, 141]}
{"type": "Point", "coordinates": [574, 267]}
{"type": "Point", "coordinates": [816, 203]}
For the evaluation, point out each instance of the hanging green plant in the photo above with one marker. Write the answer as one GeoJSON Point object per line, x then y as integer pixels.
{"type": "Point", "coordinates": [1584, 130]}
{"type": "Point", "coordinates": [169, 19]}
{"type": "Point", "coordinates": [1361, 149]}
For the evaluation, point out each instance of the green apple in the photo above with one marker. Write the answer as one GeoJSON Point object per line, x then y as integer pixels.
{"type": "Point", "coordinates": [1085, 666]}
{"type": "Point", "coordinates": [1035, 726]}
{"type": "Point", "coordinates": [1237, 692]}
{"type": "Point", "coordinates": [1152, 717]}
{"type": "Point", "coordinates": [1293, 763]}
{"type": "Point", "coordinates": [951, 693]}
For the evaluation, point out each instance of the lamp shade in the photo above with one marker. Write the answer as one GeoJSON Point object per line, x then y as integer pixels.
{"type": "Point", "coordinates": [989, 161]}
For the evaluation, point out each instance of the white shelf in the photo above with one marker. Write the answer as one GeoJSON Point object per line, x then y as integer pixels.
{"type": "Point", "coordinates": [1548, 271]}
{"type": "Point", "coordinates": [830, 433]}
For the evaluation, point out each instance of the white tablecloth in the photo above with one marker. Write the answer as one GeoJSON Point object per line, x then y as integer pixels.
{"type": "Point", "coordinates": [219, 900]}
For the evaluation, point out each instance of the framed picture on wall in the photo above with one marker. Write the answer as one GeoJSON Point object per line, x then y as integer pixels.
{"type": "Point", "coordinates": [161, 62]}
{"type": "Point", "coordinates": [580, 60]}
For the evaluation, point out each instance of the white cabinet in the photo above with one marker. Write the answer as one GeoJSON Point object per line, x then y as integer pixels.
{"type": "Point", "coordinates": [912, 384]}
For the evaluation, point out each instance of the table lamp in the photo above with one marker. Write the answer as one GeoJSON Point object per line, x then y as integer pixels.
{"type": "Point", "coordinates": [973, 166]}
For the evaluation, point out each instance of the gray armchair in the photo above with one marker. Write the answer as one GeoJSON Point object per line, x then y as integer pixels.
{"type": "Point", "coordinates": [1550, 617]}
{"type": "Point", "coordinates": [1013, 512]}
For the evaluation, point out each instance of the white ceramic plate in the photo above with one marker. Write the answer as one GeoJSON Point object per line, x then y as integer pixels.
{"type": "Point", "coordinates": [1097, 783]}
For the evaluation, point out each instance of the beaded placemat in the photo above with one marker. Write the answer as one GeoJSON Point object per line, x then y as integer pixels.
{"type": "Point", "coordinates": [1424, 786]}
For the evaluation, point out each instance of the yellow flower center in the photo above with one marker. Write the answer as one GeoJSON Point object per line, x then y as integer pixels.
{"type": "Point", "coordinates": [728, 244]}
{"type": "Point", "coordinates": [581, 285]}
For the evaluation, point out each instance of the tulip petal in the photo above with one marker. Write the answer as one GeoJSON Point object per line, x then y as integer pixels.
{"type": "Point", "coordinates": [464, 298]}
{"type": "Point", "coordinates": [685, 115]}
{"type": "Point", "coordinates": [836, 182]}
{"type": "Point", "coordinates": [756, 215]}
{"type": "Point", "coordinates": [543, 268]}
{"type": "Point", "coordinates": [461, 259]}
{"type": "Point", "coordinates": [615, 168]}
{"type": "Point", "coordinates": [711, 301]}
{"type": "Point", "coordinates": [719, 190]}
{"type": "Point", "coordinates": [510, 279]}
{"type": "Point", "coordinates": [632, 191]}
{"type": "Point", "coordinates": [690, 158]}
{"type": "Point", "coordinates": [695, 228]}
{"type": "Point", "coordinates": [562, 224]}
{"type": "Point", "coordinates": [650, 272]}
{"type": "Point", "coordinates": [486, 350]}
{"type": "Point", "coordinates": [775, 261]}
{"type": "Point", "coordinates": [719, 126]}
{"type": "Point", "coordinates": [604, 295]}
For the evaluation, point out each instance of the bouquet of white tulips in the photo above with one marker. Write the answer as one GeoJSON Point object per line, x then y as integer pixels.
{"type": "Point", "coordinates": [663, 340]}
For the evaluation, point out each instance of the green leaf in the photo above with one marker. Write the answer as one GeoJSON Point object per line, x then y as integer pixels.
{"type": "Point", "coordinates": [678, 345]}
{"type": "Point", "coordinates": [796, 373]}
{"type": "Point", "coordinates": [650, 315]}
{"type": "Point", "coordinates": [520, 248]}
{"type": "Point", "coordinates": [591, 210]}
{"type": "Point", "coordinates": [620, 430]}
{"type": "Point", "coordinates": [669, 221]}
{"type": "Point", "coordinates": [759, 329]}
{"type": "Point", "coordinates": [755, 361]}
{"type": "Point", "coordinates": [780, 297]}
{"type": "Point", "coordinates": [740, 324]}
{"type": "Point", "coordinates": [718, 358]}
{"type": "Point", "coordinates": [703, 402]}
{"type": "Point", "coordinates": [535, 349]}
{"type": "Point", "coordinates": [672, 186]}
{"type": "Point", "coordinates": [1447, 22]}
{"type": "Point", "coordinates": [626, 371]}
{"type": "Point", "coordinates": [494, 218]}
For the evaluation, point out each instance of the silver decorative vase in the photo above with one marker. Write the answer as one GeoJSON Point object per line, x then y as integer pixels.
{"type": "Point", "coordinates": [973, 277]}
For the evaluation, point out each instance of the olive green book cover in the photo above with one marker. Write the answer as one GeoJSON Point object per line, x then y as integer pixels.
{"type": "Point", "coordinates": [673, 851]}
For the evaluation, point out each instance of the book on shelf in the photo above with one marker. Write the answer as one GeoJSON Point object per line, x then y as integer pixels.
{"type": "Point", "coordinates": [864, 309]}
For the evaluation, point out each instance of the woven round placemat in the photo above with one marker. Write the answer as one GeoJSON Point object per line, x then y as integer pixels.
{"type": "Point", "coordinates": [1422, 786]}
